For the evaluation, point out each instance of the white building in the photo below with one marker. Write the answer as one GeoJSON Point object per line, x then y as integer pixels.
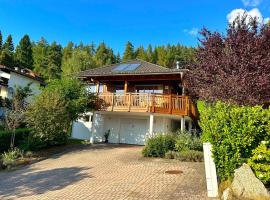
{"type": "Point", "coordinates": [10, 78]}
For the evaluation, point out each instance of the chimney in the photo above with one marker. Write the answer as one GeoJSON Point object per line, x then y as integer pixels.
{"type": "Point", "coordinates": [177, 65]}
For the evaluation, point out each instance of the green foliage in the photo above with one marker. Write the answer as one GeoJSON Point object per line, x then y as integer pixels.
{"type": "Point", "coordinates": [21, 135]}
{"type": "Point", "coordinates": [54, 61]}
{"type": "Point", "coordinates": [157, 146]}
{"type": "Point", "coordinates": [186, 155]}
{"type": "Point", "coordinates": [40, 56]}
{"type": "Point", "coordinates": [260, 162]}
{"type": "Point", "coordinates": [190, 156]}
{"type": "Point", "coordinates": [7, 53]}
{"type": "Point", "coordinates": [171, 154]}
{"type": "Point", "coordinates": [9, 158]}
{"type": "Point", "coordinates": [51, 114]}
{"type": "Point", "coordinates": [104, 55]}
{"type": "Point", "coordinates": [234, 131]}
{"type": "Point", "coordinates": [129, 52]}
{"type": "Point", "coordinates": [187, 141]}
{"type": "Point", "coordinates": [24, 54]}
{"type": "Point", "coordinates": [79, 60]}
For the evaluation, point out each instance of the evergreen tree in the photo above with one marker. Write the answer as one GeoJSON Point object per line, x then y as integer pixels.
{"type": "Point", "coordinates": [141, 54]}
{"type": "Point", "coordinates": [150, 54]}
{"type": "Point", "coordinates": [40, 54]}
{"type": "Point", "coordinates": [1, 41]}
{"type": "Point", "coordinates": [8, 45]}
{"type": "Point", "coordinates": [129, 52]}
{"type": "Point", "coordinates": [104, 55]}
{"type": "Point", "coordinates": [24, 54]}
{"type": "Point", "coordinates": [7, 53]}
{"type": "Point", "coordinates": [67, 51]}
{"type": "Point", "coordinates": [118, 58]}
{"type": "Point", "coordinates": [79, 61]}
{"type": "Point", "coordinates": [54, 61]}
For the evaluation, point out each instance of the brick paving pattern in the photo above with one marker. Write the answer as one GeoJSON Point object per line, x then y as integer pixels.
{"type": "Point", "coordinates": [104, 172]}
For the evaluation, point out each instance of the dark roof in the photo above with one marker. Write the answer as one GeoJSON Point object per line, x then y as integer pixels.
{"type": "Point", "coordinates": [24, 72]}
{"type": "Point", "coordinates": [144, 68]}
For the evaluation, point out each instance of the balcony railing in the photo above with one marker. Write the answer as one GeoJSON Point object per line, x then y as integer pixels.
{"type": "Point", "coordinates": [140, 102]}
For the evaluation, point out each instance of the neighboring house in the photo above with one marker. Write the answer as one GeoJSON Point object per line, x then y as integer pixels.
{"type": "Point", "coordinates": [12, 77]}
{"type": "Point", "coordinates": [137, 100]}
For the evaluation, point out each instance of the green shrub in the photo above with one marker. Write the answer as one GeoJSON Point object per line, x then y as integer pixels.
{"type": "Point", "coordinates": [187, 141]}
{"type": "Point", "coordinates": [5, 138]}
{"type": "Point", "coordinates": [158, 145]}
{"type": "Point", "coordinates": [260, 162]}
{"type": "Point", "coordinates": [9, 158]}
{"type": "Point", "coordinates": [190, 156]}
{"type": "Point", "coordinates": [51, 113]}
{"type": "Point", "coordinates": [234, 131]}
{"type": "Point", "coordinates": [171, 154]}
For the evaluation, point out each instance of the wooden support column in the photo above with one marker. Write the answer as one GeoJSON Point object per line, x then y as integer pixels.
{"type": "Point", "coordinates": [126, 87]}
{"type": "Point", "coordinates": [97, 87]}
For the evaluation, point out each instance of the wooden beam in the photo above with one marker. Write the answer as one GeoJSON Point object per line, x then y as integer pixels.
{"type": "Point", "coordinates": [97, 86]}
{"type": "Point", "coordinates": [126, 87]}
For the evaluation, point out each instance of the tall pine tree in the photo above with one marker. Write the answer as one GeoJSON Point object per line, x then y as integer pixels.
{"type": "Point", "coordinates": [24, 53]}
{"type": "Point", "coordinates": [1, 41]}
{"type": "Point", "coordinates": [54, 61]}
{"type": "Point", "coordinates": [40, 57]}
{"type": "Point", "coordinates": [141, 54]}
{"type": "Point", "coordinates": [7, 54]}
{"type": "Point", "coordinates": [129, 52]}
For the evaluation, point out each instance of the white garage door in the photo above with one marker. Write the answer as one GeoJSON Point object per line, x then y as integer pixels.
{"type": "Point", "coordinates": [133, 131]}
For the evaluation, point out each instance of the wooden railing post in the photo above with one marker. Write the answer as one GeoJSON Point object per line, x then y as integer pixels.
{"type": "Point", "coordinates": [148, 102]}
{"type": "Point", "coordinates": [170, 104]}
{"type": "Point", "coordinates": [153, 103]}
{"type": "Point", "coordinates": [187, 106]}
{"type": "Point", "coordinates": [129, 102]}
{"type": "Point", "coordinates": [112, 101]}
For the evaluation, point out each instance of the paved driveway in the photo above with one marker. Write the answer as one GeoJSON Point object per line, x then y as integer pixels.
{"type": "Point", "coordinates": [104, 172]}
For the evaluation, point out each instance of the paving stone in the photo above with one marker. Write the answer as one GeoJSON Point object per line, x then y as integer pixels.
{"type": "Point", "coordinates": [105, 172]}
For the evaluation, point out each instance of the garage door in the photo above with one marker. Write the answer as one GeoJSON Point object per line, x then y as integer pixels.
{"type": "Point", "coordinates": [133, 131]}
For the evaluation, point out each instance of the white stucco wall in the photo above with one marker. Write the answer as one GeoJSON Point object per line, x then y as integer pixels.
{"type": "Point", "coordinates": [103, 122]}
{"type": "Point", "coordinates": [19, 80]}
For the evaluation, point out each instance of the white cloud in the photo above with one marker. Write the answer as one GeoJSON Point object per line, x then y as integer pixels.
{"type": "Point", "coordinates": [193, 31]}
{"type": "Point", "coordinates": [255, 12]}
{"type": "Point", "coordinates": [251, 3]}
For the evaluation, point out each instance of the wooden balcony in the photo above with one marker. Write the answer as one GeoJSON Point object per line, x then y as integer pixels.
{"type": "Point", "coordinates": [155, 103]}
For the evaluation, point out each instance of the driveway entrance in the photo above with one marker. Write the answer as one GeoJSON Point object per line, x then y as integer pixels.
{"type": "Point", "coordinates": [105, 172]}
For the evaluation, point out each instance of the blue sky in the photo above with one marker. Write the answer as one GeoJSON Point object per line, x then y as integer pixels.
{"type": "Point", "coordinates": [118, 21]}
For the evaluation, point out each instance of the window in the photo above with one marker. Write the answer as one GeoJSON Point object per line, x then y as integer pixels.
{"type": "Point", "coordinates": [92, 88]}
{"type": "Point", "coordinates": [149, 89]}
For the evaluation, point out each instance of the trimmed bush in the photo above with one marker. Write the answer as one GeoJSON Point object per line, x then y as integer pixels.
{"type": "Point", "coordinates": [260, 162]}
{"type": "Point", "coordinates": [190, 156]}
{"type": "Point", "coordinates": [234, 131]}
{"type": "Point", "coordinates": [5, 137]}
{"type": "Point", "coordinates": [158, 145]}
{"type": "Point", "coordinates": [171, 154]}
{"type": "Point", "coordinates": [187, 141]}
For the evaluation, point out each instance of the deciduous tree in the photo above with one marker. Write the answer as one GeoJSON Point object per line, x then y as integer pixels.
{"type": "Point", "coordinates": [234, 67]}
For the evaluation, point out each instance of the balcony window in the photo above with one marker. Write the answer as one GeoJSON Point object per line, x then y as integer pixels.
{"type": "Point", "coordinates": [158, 89]}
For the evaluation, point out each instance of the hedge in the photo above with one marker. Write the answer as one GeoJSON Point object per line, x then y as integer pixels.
{"type": "Point", "coordinates": [20, 137]}
{"type": "Point", "coordinates": [234, 132]}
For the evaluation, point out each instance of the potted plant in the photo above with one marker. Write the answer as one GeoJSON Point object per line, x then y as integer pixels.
{"type": "Point", "coordinates": [106, 135]}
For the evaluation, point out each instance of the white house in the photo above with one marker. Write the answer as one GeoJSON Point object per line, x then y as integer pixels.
{"type": "Point", "coordinates": [136, 100]}
{"type": "Point", "coordinates": [12, 77]}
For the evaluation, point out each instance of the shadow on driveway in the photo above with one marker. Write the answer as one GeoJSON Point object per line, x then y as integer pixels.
{"type": "Point", "coordinates": [24, 182]}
